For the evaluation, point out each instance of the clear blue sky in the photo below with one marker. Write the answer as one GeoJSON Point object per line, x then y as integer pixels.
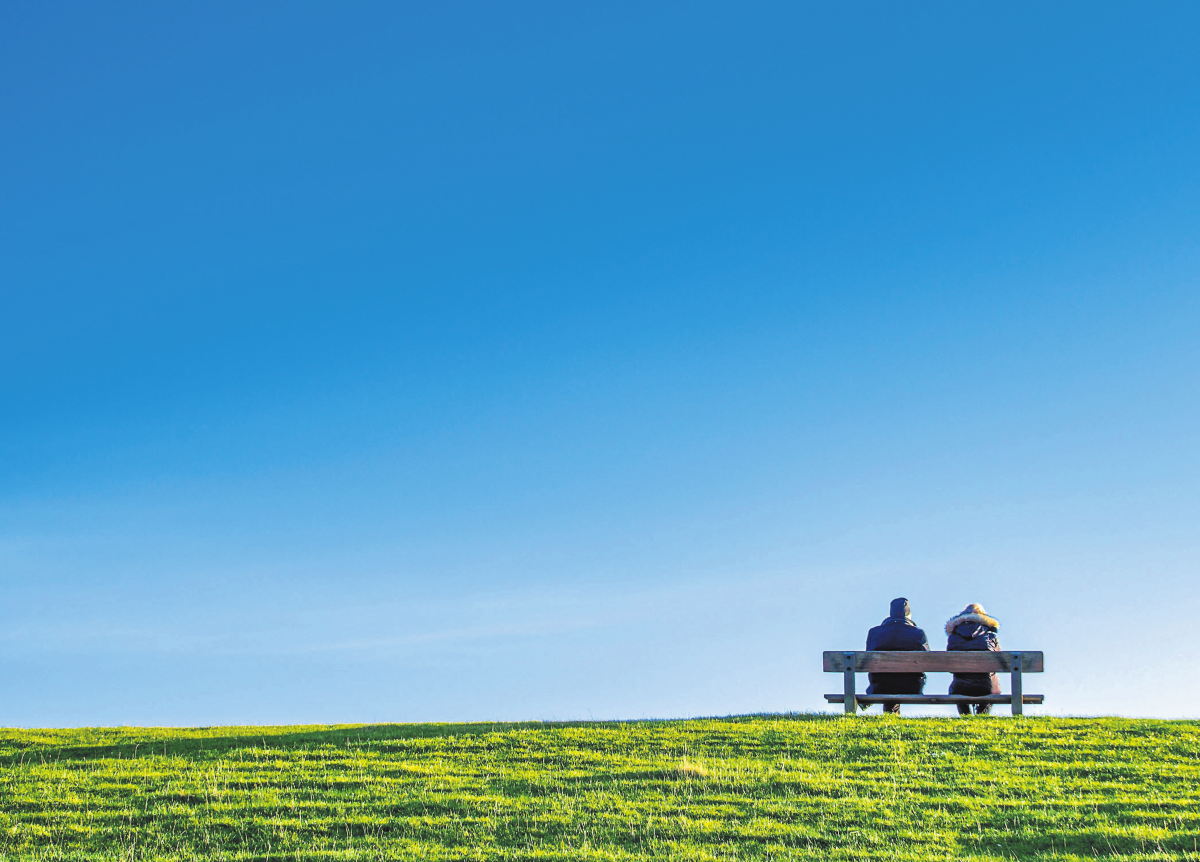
{"type": "Point", "coordinates": [368, 362]}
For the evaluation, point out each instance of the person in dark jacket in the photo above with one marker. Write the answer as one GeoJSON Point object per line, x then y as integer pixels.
{"type": "Point", "coordinates": [973, 629]}
{"type": "Point", "coordinates": [897, 632]}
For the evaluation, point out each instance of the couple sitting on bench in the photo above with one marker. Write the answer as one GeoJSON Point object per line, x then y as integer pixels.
{"type": "Point", "coordinates": [971, 629]}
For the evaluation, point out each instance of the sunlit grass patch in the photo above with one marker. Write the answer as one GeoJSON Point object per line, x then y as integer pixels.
{"type": "Point", "coordinates": [767, 787]}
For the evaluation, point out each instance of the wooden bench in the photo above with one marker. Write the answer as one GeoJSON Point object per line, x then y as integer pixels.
{"type": "Point", "coordinates": [921, 661]}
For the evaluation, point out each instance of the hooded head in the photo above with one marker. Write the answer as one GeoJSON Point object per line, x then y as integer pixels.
{"type": "Point", "coordinates": [899, 609]}
{"type": "Point", "coordinates": [972, 613]}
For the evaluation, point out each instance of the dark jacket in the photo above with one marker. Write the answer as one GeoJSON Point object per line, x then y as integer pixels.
{"type": "Point", "coordinates": [897, 632]}
{"type": "Point", "coordinates": [973, 632]}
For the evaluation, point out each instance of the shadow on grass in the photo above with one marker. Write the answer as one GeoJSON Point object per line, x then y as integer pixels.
{"type": "Point", "coordinates": [129, 743]}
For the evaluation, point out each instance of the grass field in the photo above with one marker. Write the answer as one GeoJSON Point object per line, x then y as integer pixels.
{"type": "Point", "coordinates": [775, 787]}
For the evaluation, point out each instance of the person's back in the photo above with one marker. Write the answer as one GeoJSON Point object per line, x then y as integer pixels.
{"type": "Point", "coordinates": [970, 630]}
{"type": "Point", "coordinates": [898, 632]}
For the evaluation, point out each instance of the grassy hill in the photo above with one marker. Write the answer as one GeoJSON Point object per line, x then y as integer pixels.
{"type": "Point", "coordinates": [775, 787]}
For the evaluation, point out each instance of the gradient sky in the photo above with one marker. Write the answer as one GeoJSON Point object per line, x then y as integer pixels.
{"type": "Point", "coordinates": [366, 362]}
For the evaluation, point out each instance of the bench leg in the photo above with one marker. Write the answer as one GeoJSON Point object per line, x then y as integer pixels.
{"type": "Point", "coordinates": [1018, 701]}
{"type": "Point", "coordinates": [850, 702]}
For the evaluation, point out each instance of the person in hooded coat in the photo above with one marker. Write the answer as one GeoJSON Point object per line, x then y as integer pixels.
{"type": "Point", "coordinates": [973, 629]}
{"type": "Point", "coordinates": [897, 632]}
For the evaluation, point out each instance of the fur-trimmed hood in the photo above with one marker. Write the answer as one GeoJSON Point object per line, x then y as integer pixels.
{"type": "Point", "coordinates": [971, 614]}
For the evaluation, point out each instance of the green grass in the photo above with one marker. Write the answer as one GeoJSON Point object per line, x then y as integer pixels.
{"type": "Point", "coordinates": [773, 787]}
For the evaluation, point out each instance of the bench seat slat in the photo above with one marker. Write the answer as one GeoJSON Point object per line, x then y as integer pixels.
{"type": "Point", "coordinates": [935, 698]}
{"type": "Point", "coordinates": [918, 661]}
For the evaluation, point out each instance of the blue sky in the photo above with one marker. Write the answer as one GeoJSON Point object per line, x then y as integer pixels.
{"type": "Point", "coordinates": [368, 362]}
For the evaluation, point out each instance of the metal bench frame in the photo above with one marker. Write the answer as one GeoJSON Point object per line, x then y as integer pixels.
{"type": "Point", "coordinates": [920, 661]}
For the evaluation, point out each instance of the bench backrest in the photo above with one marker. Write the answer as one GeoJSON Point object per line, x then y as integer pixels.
{"type": "Point", "coordinates": [918, 661]}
